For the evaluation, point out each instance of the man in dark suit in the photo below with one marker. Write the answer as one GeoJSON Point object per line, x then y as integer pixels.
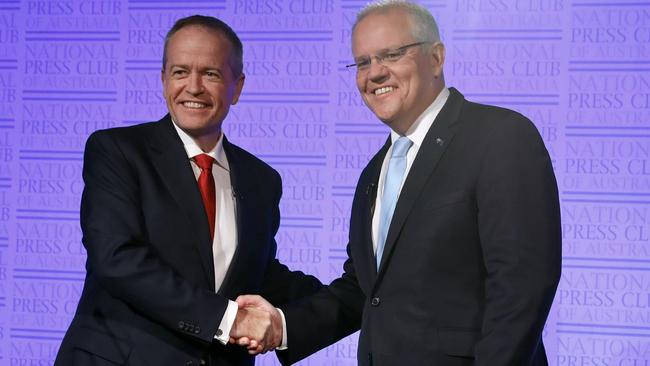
{"type": "Point", "coordinates": [454, 248]}
{"type": "Point", "coordinates": [166, 255]}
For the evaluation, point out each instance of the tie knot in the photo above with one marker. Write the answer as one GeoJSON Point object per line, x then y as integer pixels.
{"type": "Point", "coordinates": [401, 147]}
{"type": "Point", "coordinates": [204, 161]}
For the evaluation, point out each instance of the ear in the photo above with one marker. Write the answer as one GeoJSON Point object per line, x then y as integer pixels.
{"type": "Point", "coordinates": [238, 88]}
{"type": "Point", "coordinates": [438, 57]}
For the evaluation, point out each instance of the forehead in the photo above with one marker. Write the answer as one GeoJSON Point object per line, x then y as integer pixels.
{"type": "Point", "coordinates": [380, 30]}
{"type": "Point", "coordinates": [198, 41]}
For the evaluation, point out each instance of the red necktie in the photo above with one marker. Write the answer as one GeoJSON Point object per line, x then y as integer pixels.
{"type": "Point", "coordinates": [206, 186]}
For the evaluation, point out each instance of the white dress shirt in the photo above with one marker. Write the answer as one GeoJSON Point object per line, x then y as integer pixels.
{"type": "Point", "coordinates": [225, 228]}
{"type": "Point", "coordinates": [416, 134]}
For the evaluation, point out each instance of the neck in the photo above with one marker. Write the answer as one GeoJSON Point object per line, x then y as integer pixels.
{"type": "Point", "coordinates": [401, 127]}
{"type": "Point", "coordinates": [207, 142]}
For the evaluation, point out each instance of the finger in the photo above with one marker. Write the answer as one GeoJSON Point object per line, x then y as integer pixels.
{"type": "Point", "coordinates": [249, 300]}
{"type": "Point", "coordinates": [243, 341]}
{"type": "Point", "coordinates": [255, 351]}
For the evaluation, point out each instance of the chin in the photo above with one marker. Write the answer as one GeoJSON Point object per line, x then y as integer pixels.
{"type": "Point", "coordinates": [385, 117]}
{"type": "Point", "coordinates": [384, 112]}
{"type": "Point", "coordinates": [193, 119]}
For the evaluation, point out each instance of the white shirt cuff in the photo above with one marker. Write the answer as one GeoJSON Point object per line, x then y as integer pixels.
{"type": "Point", "coordinates": [284, 344]}
{"type": "Point", "coordinates": [223, 333]}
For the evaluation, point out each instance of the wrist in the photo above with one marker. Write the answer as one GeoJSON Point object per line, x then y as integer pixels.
{"type": "Point", "coordinates": [276, 321]}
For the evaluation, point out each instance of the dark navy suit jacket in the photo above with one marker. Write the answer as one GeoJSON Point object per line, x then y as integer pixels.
{"type": "Point", "coordinates": [149, 296]}
{"type": "Point", "coordinates": [471, 261]}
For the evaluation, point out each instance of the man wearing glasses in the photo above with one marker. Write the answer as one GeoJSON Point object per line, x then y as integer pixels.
{"type": "Point", "coordinates": [455, 244]}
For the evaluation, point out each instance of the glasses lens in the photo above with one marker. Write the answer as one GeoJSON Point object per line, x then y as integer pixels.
{"type": "Point", "coordinates": [363, 63]}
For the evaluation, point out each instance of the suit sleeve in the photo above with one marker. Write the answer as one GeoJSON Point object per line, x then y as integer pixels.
{"type": "Point", "coordinates": [519, 228]}
{"type": "Point", "coordinates": [120, 257]}
{"type": "Point", "coordinates": [326, 317]}
{"type": "Point", "coordinates": [322, 319]}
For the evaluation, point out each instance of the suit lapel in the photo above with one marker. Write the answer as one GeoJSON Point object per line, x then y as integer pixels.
{"type": "Point", "coordinates": [435, 143]}
{"type": "Point", "coordinates": [239, 176]}
{"type": "Point", "coordinates": [370, 184]}
{"type": "Point", "coordinates": [170, 160]}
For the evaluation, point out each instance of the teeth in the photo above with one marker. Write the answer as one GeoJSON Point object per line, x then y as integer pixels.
{"type": "Point", "coordinates": [193, 105]}
{"type": "Point", "coordinates": [383, 90]}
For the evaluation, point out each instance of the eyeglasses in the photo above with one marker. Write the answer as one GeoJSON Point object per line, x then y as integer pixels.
{"type": "Point", "coordinates": [385, 57]}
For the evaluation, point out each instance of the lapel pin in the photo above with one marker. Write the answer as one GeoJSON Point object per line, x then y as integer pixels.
{"type": "Point", "coordinates": [439, 141]}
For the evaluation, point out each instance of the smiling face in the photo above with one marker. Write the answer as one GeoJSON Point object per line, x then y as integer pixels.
{"type": "Point", "coordinates": [398, 93]}
{"type": "Point", "coordinates": [198, 83]}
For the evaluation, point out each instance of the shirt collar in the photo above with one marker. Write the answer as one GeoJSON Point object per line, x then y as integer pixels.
{"type": "Point", "coordinates": [420, 127]}
{"type": "Point", "coordinates": [192, 149]}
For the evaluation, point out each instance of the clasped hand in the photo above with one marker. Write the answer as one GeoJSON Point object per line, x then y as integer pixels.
{"type": "Point", "coordinates": [257, 326]}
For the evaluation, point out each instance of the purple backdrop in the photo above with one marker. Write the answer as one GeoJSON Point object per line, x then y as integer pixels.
{"type": "Point", "coordinates": [578, 68]}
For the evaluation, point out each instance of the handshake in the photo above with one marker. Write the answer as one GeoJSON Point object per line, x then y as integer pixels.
{"type": "Point", "coordinates": [258, 325]}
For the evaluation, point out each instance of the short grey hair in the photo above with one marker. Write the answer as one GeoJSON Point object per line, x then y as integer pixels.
{"type": "Point", "coordinates": [423, 25]}
{"type": "Point", "coordinates": [215, 25]}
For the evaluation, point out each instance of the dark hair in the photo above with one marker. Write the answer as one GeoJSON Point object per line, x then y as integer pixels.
{"type": "Point", "coordinates": [214, 24]}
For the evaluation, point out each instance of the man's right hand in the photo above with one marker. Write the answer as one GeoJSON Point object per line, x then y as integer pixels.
{"type": "Point", "coordinates": [258, 325]}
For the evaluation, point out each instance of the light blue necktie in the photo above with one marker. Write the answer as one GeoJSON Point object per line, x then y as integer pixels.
{"type": "Point", "coordinates": [392, 183]}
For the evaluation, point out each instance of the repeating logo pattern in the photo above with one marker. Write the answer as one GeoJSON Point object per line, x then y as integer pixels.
{"type": "Point", "coordinates": [580, 69]}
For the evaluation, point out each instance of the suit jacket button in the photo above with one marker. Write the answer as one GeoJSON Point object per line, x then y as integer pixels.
{"type": "Point", "coordinates": [219, 332]}
{"type": "Point", "coordinates": [375, 301]}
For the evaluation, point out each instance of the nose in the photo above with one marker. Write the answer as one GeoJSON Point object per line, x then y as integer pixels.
{"type": "Point", "coordinates": [377, 72]}
{"type": "Point", "coordinates": [194, 84]}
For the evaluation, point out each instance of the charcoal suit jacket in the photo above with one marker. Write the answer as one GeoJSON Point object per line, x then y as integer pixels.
{"type": "Point", "coordinates": [471, 261]}
{"type": "Point", "coordinates": [149, 296]}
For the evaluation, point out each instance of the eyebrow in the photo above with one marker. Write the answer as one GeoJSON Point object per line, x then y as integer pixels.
{"type": "Point", "coordinates": [208, 68]}
{"type": "Point", "coordinates": [183, 66]}
{"type": "Point", "coordinates": [386, 49]}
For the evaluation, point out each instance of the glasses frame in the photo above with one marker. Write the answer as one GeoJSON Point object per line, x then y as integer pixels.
{"type": "Point", "coordinates": [385, 54]}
